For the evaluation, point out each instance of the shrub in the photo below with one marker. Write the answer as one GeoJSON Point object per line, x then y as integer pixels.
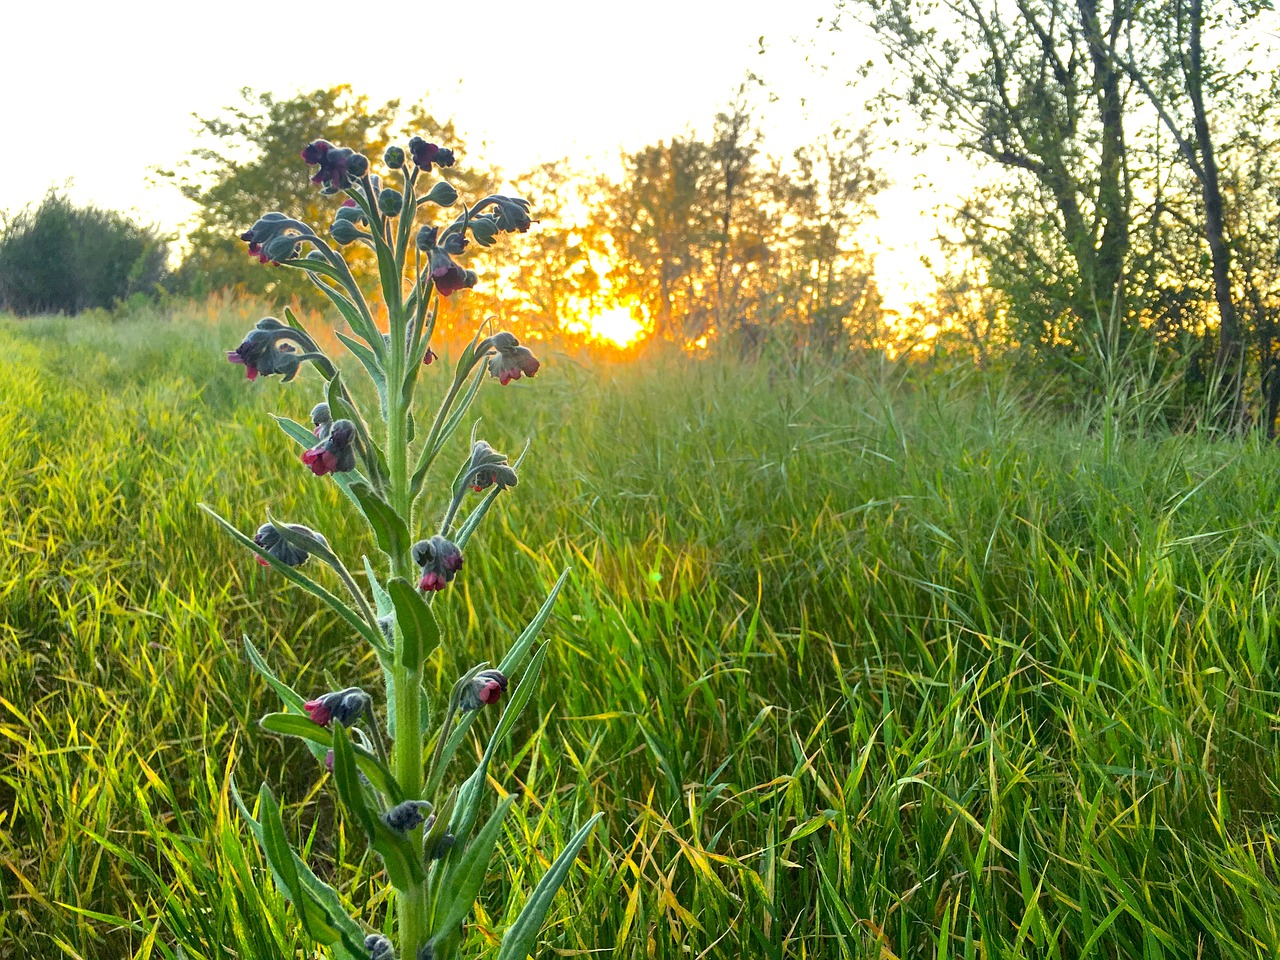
{"type": "Point", "coordinates": [60, 258]}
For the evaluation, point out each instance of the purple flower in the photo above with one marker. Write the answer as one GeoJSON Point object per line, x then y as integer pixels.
{"type": "Point", "coordinates": [403, 817]}
{"type": "Point", "coordinates": [345, 706]}
{"type": "Point", "coordinates": [269, 348]}
{"type": "Point", "coordinates": [425, 154]}
{"type": "Point", "coordinates": [439, 560]}
{"type": "Point", "coordinates": [334, 454]}
{"type": "Point", "coordinates": [511, 361]}
{"type": "Point", "coordinates": [270, 540]}
{"type": "Point", "coordinates": [448, 277]}
{"type": "Point", "coordinates": [486, 687]}
{"type": "Point", "coordinates": [488, 467]}
{"type": "Point", "coordinates": [337, 166]}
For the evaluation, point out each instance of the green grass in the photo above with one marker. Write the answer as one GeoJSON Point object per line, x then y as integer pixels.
{"type": "Point", "coordinates": [856, 662]}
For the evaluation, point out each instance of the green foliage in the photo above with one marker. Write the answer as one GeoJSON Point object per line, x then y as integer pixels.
{"type": "Point", "coordinates": [248, 163]}
{"type": "Point", "coordinates": [60, 258]}
{"type": "Point", "coordinates": [870, 665]}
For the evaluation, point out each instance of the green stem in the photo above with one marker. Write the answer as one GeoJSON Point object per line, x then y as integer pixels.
{"type": "Point", "coordinates": [411, 904]}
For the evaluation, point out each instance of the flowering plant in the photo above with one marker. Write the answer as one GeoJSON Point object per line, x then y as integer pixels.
{"type": "Point", "coordinates": [423, 819]}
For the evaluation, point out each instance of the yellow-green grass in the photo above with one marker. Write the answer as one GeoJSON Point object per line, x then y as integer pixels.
{"type": "Point", "coordinates": [857, 662]}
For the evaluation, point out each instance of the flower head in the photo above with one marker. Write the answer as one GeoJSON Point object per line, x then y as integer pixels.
{"type": "Point", "coordinates": [425, 154]}
{"type": "Point", "coordinates": [403, 817]}
{"type": "Point", "coordinates": [334, 454]}
{"type": "Point", "coordinates": [429, 357]}
{"type": "Point", "coordinates": [274, 237]}
{"type": "Point", "coordinates": [345, 706]}
{"type": "Point", "coordinates": [271, 541]}
{"type": "Point", "coordinates": [337, 166]}
{"type": "Point", "coordinates": [488, 467]}
{"type": "Point", "coordinates": [439, 560]}
{"type": "Point", "coordinates": [486, 687]}
{"type": "Point", "coordinates": [511, 361]}
{"type": "Point", "coordinates": [448, 277]}
{"type": "Point", "coordinates": [271, 347]}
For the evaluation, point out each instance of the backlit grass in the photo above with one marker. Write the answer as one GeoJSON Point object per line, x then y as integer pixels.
{"type": "Point", "coordinates": [857, 662]}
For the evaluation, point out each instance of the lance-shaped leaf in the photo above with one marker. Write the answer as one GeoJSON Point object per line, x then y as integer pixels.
{"type": "Point", "coordinates": [419, 634]}
{"type": "Point", "coordinates": [370, 363]}
{"type": "Point", "coordinates": [521, 937]}
{"type": "Point", "coordinates": [508, 666]}
{"type": "Point", "coordinates": [465, 872]}
{"type": "Point", "coordinates": [388, 528]}
{"type": "Point", "coordinates": [472, 790]}
{"type": "Point", "coordinates": [319, 908]}
{"type": "Point", "coordinates": [362, 626]}
{"type": "Point", "coordinates": [404, 869]}
{"type": "Point", "coordinates": [292, 725]}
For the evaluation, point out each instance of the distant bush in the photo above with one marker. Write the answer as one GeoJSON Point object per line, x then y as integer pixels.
{"type": "Point", "coordinates": [60, 258]}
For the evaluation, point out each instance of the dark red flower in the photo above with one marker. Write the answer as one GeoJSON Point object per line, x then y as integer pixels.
{"type": "Point", "coordinates": [334, 454]}
{"type": "Point", "coordinates": [485, 688]}
{"type": "Point", "coordinates": [439, 560]}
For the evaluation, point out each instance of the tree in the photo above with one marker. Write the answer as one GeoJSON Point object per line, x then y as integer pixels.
{"type": "Point", "coordinates": [248, 162]}
{"type": "Point", "coordinates": [60, 258]}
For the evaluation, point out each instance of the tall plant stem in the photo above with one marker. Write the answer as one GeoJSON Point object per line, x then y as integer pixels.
{"type": "Point", "coordinates": [411, 905]}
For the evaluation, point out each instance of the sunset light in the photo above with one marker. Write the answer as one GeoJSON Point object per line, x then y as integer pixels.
{"type": "Point", "coordinates": [618, 325]}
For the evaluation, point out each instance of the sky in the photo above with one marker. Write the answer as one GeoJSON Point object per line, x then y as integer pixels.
{"type": "Point", "coordinates": [100, 95]}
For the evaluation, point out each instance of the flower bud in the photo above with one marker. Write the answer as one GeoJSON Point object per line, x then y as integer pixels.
{"type": "Point", "coordinates": [344, 231]}
{"type": "Point", "coordinates": [429, 357]}
{"type": "Point", "coordinates": [358, 165]}
{"type": "Point", "coordinates": [269, 539]}
{"type": "Point", "coordinates": [511, 361]}
{"type": "Point", "coordinates": [335, 453]}
{"type": "Point", "coordinates": [484, 230]}
{"type": "Point", "coordinates": [284, 247]}
{"type": "Point", "coordinates": [321, 418]}
{"type": "Point", "coordinates": [443, 194]}
{"type": "Point", "coordinates": [350, 211]}
{"type": "Point", "coordinates": [454, 244]}
{"type": "Point", "coordinates": [394, 157]}
{"type": "Point", "coordinates": [379, 947]}
{"type": "Point", "coordinates": [345, 706]}
{"type": "Point", "coordinates": [426, 238]}
{"type": "Point", "coordinates": [486, 687]}
{"type": "Point", "coordinates": [390, 202]}
{"type": "Point", "coordinates": [488, 467]}
{"type": "Point", "coordinates": [439, 560]}
{"type": "Point", "coordinates": [512, 214]}
{"type": "Point", "coordinates": [403, 817]}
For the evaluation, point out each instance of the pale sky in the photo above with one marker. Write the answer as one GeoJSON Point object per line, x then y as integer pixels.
{"type": "Point", "coordinates": [102, 93]}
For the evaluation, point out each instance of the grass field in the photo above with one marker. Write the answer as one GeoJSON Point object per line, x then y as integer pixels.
{"type": "Point", "coordinates": [856, 662]}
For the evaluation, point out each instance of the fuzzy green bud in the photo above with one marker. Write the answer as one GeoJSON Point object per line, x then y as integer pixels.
{"type": "Point", "coordinates": [390, 202]}
{"type": "Point", "coordinates": [358, 165]}
{"type": "Point", "coordinates": [344, 231]}
{"type": "Point", "coordinates": [394, 157]}
{"type": "Point", "coordinates": [443, 194]}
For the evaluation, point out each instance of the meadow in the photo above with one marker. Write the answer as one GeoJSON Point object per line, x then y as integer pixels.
{"type": "Point", "coordinates": [867, 660]}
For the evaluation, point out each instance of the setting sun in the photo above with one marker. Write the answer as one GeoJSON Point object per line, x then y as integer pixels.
{"type": "Point", "coordinates": [618, 325]}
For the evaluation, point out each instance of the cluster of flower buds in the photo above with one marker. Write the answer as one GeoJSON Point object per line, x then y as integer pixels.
{"type": "Point", "coordinates": [337, 166]}
{"type": "Point", "coordinates": [271, 347]}
{"type": "Point", "coordinates": [379, 947]}
{"type": "Point", "coordinates": [345, 706]}
{"type": "Point", "coordinates": [270, 540]}
{"type": "Point", "coordinates": [510, 360]}
{"type": "Point", "coordinates": [425, 154]}
{"type": "Point", "coordinates": [403, 817]}
{"type": "Point", "coordinates": [322, 420]}
{"type": "Point", "coordinates": [486, 687]}
{"type": "Point", "coordinates": [335, 453]}
{"type": "Point", "coordinates": [488, 467]}
{"type": "Point", "coordinates": [438, 560]}
{"type": "Point", "coordinates": [274, 237]}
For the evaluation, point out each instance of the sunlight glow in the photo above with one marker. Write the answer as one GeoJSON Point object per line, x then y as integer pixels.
{"type": "Point", "coordinates": [618, 325]}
